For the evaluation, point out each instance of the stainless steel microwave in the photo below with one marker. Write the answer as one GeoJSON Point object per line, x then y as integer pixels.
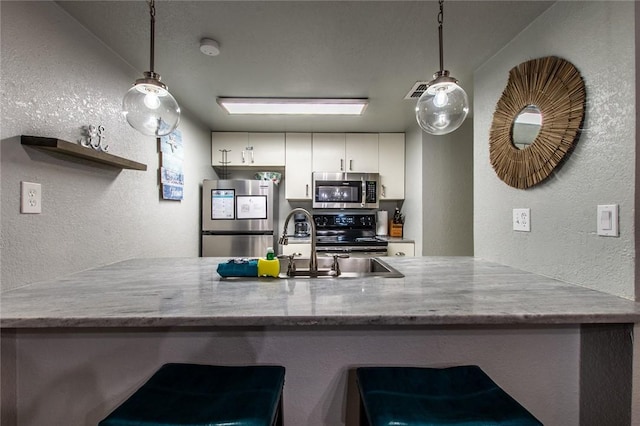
{"type": "Point", "coordinates": [339, 190]}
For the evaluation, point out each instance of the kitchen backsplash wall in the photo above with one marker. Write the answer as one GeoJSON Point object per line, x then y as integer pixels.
{"type": "Point", "coordinates": [56, 78]}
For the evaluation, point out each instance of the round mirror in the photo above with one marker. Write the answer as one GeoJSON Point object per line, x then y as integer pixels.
{"type": "Point", "coordinates": [526, 126]}
{"type": "Point", "coordinates": [537, 120]}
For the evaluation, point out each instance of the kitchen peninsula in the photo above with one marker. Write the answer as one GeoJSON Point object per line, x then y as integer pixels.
{"type": "Point", "coordinates": [94, 336]}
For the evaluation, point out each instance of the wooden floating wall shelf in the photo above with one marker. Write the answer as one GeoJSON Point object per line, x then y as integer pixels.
{"type": "Point", "coordinates": [76, 150]}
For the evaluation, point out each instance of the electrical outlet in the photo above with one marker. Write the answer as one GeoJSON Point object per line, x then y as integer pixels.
{"type": "Point", "coordinates": [30, 198]}
{"type": "Point", "coordinates": [522, 220]}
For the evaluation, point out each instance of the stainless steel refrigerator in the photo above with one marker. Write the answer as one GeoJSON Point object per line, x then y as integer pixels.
{"type": "Point", "coordinates": [238, 217]}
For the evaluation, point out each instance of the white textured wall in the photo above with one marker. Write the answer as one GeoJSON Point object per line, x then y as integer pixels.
{"type": "Point", "coordinates": [637, 181]}
{"type": "Point", "coordinates": [598, 38]}
{"type": "Point", "coordinates": [447, 188]}
{"type": "Point", "coordinates": [57, 77]}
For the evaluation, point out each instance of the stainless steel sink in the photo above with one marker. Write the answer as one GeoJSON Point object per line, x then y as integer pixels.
{"type": "Point", "coordinates": [352, 267]}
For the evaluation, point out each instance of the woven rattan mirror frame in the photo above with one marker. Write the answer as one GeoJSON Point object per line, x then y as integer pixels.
{"type": "Point", "coordinates": [555, 86]}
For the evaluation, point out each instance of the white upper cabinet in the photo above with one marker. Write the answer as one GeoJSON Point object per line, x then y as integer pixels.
{"type": "Point", "coordinates": [301, 154]}
{"type": "Point", "coordinates": [350, 152]}
{"type": "Point", "coordinates": [328, 152]}
{"type": "Point", "coordinates": [268, 149]}
{"type": "Point", "coordinates": [361, 152]}
{"type": "Point", "coordinates": [298, 169]}
{"type": "Point", "coordinates": [247, 149]}
{"type": "Point", "coordinates": [391, 166]}
{"type": "Point", "coordinates": [227, 148]}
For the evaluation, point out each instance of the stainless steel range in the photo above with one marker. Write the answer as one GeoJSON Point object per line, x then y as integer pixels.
{"type": "Point", "coordinates": [354, 234]}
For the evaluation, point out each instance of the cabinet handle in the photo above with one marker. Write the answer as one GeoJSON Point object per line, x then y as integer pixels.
{"type": "Point", "coordinates": [350, 165]}
{"type": "Point", "coordinates": [223, 159]}
{"type": "Point", "coordinates": [341, 165]}
{"type": "Point", "coordinates": [306, 190]}
{"type": "Point", "coordinates": [248, 148]}
{"type": "Point", "coordinates": [383, 190]}
{"type": "Point", "coordinates": [400, 253]}
{"type": "Point", "coordinates": [252, 157]}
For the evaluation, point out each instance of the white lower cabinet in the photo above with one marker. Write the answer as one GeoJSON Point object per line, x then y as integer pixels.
{"type": "Point", "coordinates": [304, 249]}
{"type": "Point", "coordinates": [401, 249]}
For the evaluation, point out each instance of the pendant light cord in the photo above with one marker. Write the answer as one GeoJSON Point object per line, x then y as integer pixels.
{"type": "Point", "coordinates": [440, 19]}
{"type": "Point", "coordinates": [152, 13]}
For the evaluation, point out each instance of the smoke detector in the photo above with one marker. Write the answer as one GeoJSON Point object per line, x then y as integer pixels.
{"type": "Point", "coordinates": [209, 47]}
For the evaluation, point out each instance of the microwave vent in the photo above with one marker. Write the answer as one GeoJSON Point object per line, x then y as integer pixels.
{"type": "Point", "coordinates": [417, 90]}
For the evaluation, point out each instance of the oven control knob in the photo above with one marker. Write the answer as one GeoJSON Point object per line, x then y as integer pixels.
{"type": "Point", "coordinates": [321, 220]}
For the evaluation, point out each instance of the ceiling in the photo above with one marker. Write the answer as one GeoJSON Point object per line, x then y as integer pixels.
{"type": "Point", "coordinates": [371, 49]}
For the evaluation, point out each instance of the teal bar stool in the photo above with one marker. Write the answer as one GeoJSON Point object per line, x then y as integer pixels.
{"type": "Point", "coordinates": [412, 396]}
{"type": "Point", "coordinates": [199, 395]}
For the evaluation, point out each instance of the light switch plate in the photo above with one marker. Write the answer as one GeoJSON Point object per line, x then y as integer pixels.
{"type": "Point", "coordinates": [30, 198]}
{"type": "Point", "coordinates": [522, 220]}
{"type": "Point", "coordinates": [608, 220]}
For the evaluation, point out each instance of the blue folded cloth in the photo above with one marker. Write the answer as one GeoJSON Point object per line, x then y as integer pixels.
{"type": "Point", "coordinates": [239, 268]}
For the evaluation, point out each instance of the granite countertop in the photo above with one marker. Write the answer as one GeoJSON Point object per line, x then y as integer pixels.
{"type": "Point", "coordinates": [172, 292]}
{"type": "Point", "coordinates": [396, 239]}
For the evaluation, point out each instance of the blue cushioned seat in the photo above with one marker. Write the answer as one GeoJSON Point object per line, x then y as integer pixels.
{"type": "Point", "coordinates": [198, 395]}
{"type": "Point", "coordinates": [412, 396]}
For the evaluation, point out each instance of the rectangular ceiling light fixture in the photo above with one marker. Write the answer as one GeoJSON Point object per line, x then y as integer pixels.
{"type": "Point", "coordinates": [293, 106]}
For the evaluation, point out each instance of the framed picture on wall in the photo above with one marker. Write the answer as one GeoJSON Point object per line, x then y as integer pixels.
{"type": "Point", "coordinates": [171, 166]}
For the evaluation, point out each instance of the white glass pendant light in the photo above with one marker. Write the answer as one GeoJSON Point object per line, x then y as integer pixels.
{"type": "Point", "coordinates": [148, 106]}
{"type": "Point", "coordinates": [444, 105]}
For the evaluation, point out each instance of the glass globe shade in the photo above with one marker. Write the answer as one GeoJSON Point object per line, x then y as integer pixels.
{"type": "Point", "coordinates": [150, 109]}
{"type": "Point", "coordinates": [443, 107]}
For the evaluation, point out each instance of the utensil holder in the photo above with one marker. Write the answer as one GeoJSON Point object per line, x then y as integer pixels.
{"type": "Point", "coordinates": [395, 229]}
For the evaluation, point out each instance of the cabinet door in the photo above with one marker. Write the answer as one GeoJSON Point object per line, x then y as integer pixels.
{"type": "Point", "coordinates": [401, 249]}
{"type": "Point", "coordinates": [328, 152]}
{"type": "Point", "coordinates": [265, 149]}
{"type": "Point", "coordinates": [361, 152]}
{"type": "Point", "coordinates": [391, 166]}
{"type": "Point", "coordinates": [298, 172]}
{"type": "Point", "coordinates": [234, 142]}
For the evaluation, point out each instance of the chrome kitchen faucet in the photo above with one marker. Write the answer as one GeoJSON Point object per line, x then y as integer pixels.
{"type": "Point", "coordinates": [284, 239]}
